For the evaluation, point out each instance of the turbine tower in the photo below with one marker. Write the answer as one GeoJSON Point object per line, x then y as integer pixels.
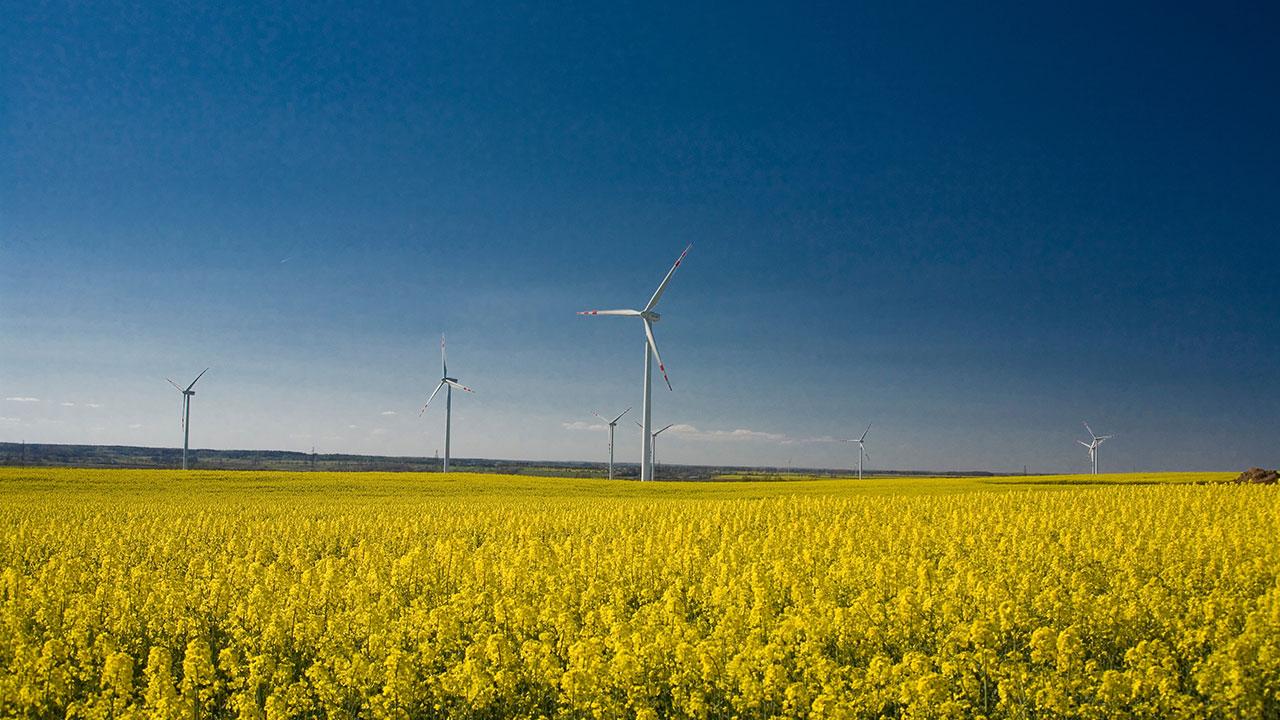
{"type": "Point", "coordinates": [650, 353]}
{"type": "Point", "coordinates": [653, 442]}
{"type": "Point", "coordinates": [448, 383]}
{"type": "Point", "coordinates": [862, 451]}
{"type": "Point", "coordinates": [1092, 445]}
{"type": "Point", "coordinates": [186, 412]}
{"type": "Point", "coordinates": [612, 424]}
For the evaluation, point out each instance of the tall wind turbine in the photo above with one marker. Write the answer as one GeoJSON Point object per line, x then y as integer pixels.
{"type": "Point", "coordinates": [448, 383]}
{"type": "Point", "coordinates": [612, 424]}
{"type": "Point", "coordinates": [653, 441]}
{"type": "Point", "coordinates": [186, 412]}
{"type": "Point", "coordinates": [862, 451]}
{"type": "Point", "coordinates": [650, 352]}
{"type": "Point", "coordinates": [1093, 446]}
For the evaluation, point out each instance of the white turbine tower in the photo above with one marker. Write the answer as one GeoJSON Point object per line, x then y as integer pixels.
{"type": "Point", "coordinates": [650, 352]}
{"type": "Point", "coordinates": [653, 441]}
{"type": "Point", "coordinates": [1092, 445]}
{"type": "Point", "coordinates": [612, 424]}
{"type": "Point", "coordinates": [186, 412]}
{"type": "Point", "coordinates": [448, 383]}
{"type": "Point", "coordinates": [862, 452]}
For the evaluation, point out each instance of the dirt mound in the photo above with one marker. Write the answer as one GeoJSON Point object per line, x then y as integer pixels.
{"type": "Point", "coordinates": [1258, 476]}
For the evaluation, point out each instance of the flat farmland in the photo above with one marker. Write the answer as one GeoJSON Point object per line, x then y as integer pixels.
{"type": "Point", "coordinates": [255, 594]}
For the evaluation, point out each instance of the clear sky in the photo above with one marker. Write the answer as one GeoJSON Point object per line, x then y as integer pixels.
{"type": "Point", "coordinates": [975, 225]}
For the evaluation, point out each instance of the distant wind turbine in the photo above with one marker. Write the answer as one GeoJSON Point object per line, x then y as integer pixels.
{"type": "Point", "coordinates": [448, 383]}
{"type": "Point", "coordinates": [862, 451]}
{"type": "Point", "coordinates": [650, 352]}
{"type": "Point", "coordinates": [187, 394]}
{"type": "Point", "coordinates": [612, 424]}
{"type": "Point", "coordinates": [1092, 445]}
{"type": "Point", "coordinates": [653, 443]}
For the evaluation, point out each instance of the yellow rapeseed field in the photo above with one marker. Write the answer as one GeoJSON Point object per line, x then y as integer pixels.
{"type": "Point", "coordinates": [274, 595]}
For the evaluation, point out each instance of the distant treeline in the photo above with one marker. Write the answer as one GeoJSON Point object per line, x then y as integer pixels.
{"type": "Point", "coordinates": [126, 456]}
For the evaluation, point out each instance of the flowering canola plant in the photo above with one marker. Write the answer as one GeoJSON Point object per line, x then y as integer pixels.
{"type": "Point", "coordinates": [151, 594]}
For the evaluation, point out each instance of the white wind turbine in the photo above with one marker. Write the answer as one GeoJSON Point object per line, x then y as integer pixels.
{"type": "Point", "coordinates": [186, 412]}
{"type": "Point", "coordinates": [448, 383]}
{"type": "Point", "coordinates": [653, 441]}
{"type": "Point", "coordinates": [650, 352]}
{"type": "Point", "coordinates": [862, 451]}
{"type": "Point", "coordinates": [1092, 445]}
{"type": "Point", "coordinates": [612, 424]}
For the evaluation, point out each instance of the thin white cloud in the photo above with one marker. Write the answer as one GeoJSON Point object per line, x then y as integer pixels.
{"type": "Point", "coordinates": [579, 425]}
{"type": "Point", "coordinates": [9, 420]}
{"type": "Point", "coordinates": [690, 431]}
{"type": "Point", "coordinates": [808, 440]}
{"type": "Point", "coordinates": [92, 405]}
{"type": "Point", "coordinates": [22, 399]}
{"type": "Point", "coordinates": [353, 427]}
{"type": "Point", "coordinates": [68, 404]}
{"type": "Point", "coordinates": [389, 412]}
{"type": "Point", "coordinates": [378, 431]}
{"type": "Point", "coordinates": [135, 426]}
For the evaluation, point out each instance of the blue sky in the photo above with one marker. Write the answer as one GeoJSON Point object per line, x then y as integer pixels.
{"type": "Point", "coordinates": [974, 226]}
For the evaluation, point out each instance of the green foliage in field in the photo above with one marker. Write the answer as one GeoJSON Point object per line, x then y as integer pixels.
{"type": "Point", "coordinates": [273, 595]}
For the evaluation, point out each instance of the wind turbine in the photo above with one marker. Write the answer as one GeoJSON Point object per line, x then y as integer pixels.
{"type": "Point", "coordinates": [186, 412]}
{"type": "Point", "coordinates": [448, 383]}
{"type": "Point", "coordinates": [650, 352]}
{"type": "Point", "coordinates": [612, 424]}
{"type": "Point", "coordinates": [653, 441]}
{"type": "Point", "coordinates": [1093, 446]}
{"type": "Point", "coordinates": [862, 451]}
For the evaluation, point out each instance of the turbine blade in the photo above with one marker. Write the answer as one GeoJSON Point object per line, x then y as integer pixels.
{"type": "Point", "coordinates": [175, 385]}
{"type": "Point", "coordinates": [615, 420]}
{"type": "Point", "coordinates": [1086, 427]}
{"type": "Point", "coordinates": [598, 415]}
{"type": "Point", "coordinates": [637, 422]}
{"type": "Point", "coordinates": [1085, 444]}
{"type": "Point", "coordinates": [657, 294]}
{"type": "Point", "coordinates": [193, 382]}
{"type": "Point", "coordinates": [864, 433]}
{"type": "Point", "coordinates": [444, 360]}
{"type": "Point", "coordinates": [433, 397]}
{"type": "Point", "coordinates": [659, 432]}
{"type": "Point", "coordinates": [460, 386]}
{"type": "Point", "coordinates": [625, 313]}
{"type": "Point", "coordinates": [653, 345]}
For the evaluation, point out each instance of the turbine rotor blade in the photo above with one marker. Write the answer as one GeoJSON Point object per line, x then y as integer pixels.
{"type": "Point", "coordinates": [433, 397]}
{"type": "Point", "coordinates": [659, 432]}
{"type": "Point", "coordinates": [657, 295]}
{"type": "Point", "coordinates": [444, 360]}
{"type": "Point", "coordinates": [625, 313]}
{"type": "Point", "coordinates": [653, 345]}
{"type": "Point", "coordinates": [864, 433]}
{"type": "Point", "coordinates": [615, 420]}
{"type": "Point", "coordinates": [193, 382]}
{"type": "Point", "coordinates": [460, 386]}
{"type": "Point", "coordinates": [1086, 427]}
{"type": "Point", "coordinates": [1085, 444]}
{"type": "Point", "coordinates": [175, 385]}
